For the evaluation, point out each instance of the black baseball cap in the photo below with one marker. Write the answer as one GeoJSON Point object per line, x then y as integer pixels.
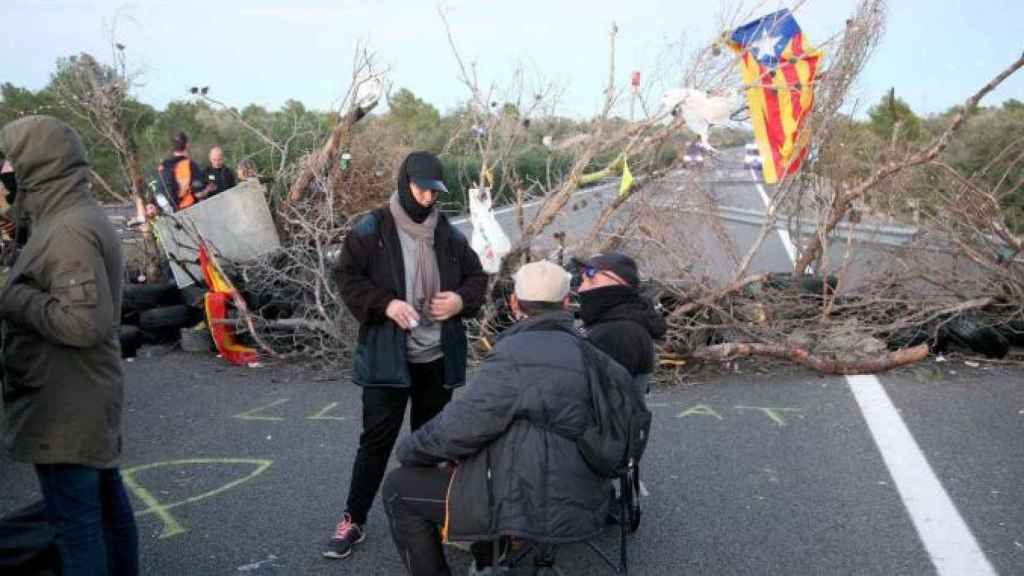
{"type": "Point", "coordinates": [426, 171]}
{"type": "Point", "coordinates": [621, 265]}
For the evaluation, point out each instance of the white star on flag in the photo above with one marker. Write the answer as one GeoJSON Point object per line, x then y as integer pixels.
{"type": "Point", "coordinates": [765, 46]}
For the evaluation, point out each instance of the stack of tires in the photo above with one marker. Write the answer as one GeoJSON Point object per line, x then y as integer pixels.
{"type": "Point", "coordinates": [162, 314]}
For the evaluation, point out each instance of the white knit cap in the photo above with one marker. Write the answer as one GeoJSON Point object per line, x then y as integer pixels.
{"type": "Point", "coordinates": [542, 282]}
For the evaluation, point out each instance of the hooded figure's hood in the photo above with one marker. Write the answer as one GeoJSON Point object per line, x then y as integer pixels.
{"type": "Point", "coordinates": [612, 303]}
{"type": "Point", "coordinates": [50, 165]}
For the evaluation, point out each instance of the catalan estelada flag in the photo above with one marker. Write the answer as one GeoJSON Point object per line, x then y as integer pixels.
{"type": "Point", "coordinates": [778, 70]}
{"type": "Point", "coordinates": [218, 298]}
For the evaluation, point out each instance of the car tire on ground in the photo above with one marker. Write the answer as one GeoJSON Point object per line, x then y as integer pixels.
{"type": "Point", "coordinates": [1013, 331]}
{"type": "Point", "coordinates": [194, 297]}
{"type": "Point", "coordinates": [145, 296]}
{"type": "Point", "coordinates": [970, 334]}
{"type": "Point", "coordinates": [169, 318]}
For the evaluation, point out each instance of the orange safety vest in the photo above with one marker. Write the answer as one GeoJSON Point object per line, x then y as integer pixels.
{"type": "Point", "coordinates": [183, 176]}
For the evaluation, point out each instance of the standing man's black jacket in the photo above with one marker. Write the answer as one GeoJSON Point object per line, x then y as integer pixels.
{"type": "Point", "coordinates": [623, 324]}
{"type": "Point", "coordinates": [512, 433]}
{"type": "Point", "coordinates": [223, 178]}
{"type": "Point", "coordinates": [371, 273]}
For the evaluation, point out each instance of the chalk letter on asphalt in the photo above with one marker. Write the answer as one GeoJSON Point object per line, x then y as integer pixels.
{"type": "Point", "coordinates": [322, 415]}
{"type": "Point", "coordinates": [162, 511]}
{"type": "Point", "coordinates": [252, 414]}
{"type": "Point", "coordinates": [774, 413]}
{"type": "Point", "coordinates": [699, 410]}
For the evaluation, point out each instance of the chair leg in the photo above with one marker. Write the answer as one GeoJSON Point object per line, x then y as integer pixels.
{"type": "Point", "coordinates": [544, 560]}
{"type": "Point", "coordinates": [624, 525]}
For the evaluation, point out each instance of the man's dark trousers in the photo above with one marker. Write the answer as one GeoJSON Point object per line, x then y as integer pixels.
{"type": "Point", "coordinates": [383, 415]}
{"type": "Point", "coordinates": [90, 510]}
{"type": "Point", "coordinates": [415, 499]}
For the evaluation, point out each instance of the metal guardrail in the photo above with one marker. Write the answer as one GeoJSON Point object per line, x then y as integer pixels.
{"type": "Point", "coordinates": [889, 234]}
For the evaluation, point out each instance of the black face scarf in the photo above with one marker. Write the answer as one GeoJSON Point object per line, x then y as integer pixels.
{"type": "Point", "coordinates": [416, 211]}
{"type": "Point", "coordinates": [11, 183]}
{"type": "Point", "coordinates": [594, 304]}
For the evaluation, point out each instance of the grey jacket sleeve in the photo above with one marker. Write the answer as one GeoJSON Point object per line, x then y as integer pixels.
{"type": "Point", "coordinates": [470, 422]}
{"type": "Point", "coordinates": [77, 309]}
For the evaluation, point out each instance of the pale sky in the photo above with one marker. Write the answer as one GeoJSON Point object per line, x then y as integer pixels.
{"type": "Point", "coordinates": [935, 52]}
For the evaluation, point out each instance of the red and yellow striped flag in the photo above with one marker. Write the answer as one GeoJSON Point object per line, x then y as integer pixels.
{"type": "Point", "coordinates": [779, 70]}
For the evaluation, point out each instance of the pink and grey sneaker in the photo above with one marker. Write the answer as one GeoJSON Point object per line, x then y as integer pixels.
{"type": "Point", "coordinates": [346, 536]}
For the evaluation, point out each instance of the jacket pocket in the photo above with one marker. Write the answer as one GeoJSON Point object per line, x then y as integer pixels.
{"type": "Point", "coordinates": [380, 356]}
{"type": "Point", "coordinates": [76, 288]}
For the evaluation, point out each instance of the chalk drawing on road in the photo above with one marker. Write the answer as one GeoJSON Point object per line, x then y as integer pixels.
{"type": "Point", "coordinates": [270, 561]}
{"type": "Point", "coordinates": [254, 413]}
{"type": "Point", "coordinates": [775, 414]}
{"type": "Point", "coordinates": [322, 415]}
{"type": "Point", "coordinates": [700, 410]}
{"type": "Point", "coordinates": [162, 510]}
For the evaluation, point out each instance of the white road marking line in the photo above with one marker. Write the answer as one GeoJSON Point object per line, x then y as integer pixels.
{"type": "Point", "coordinates": [949, 542]}
{"type": "Point", "coordinates": [946, 537]}
{"type": "Point", "coordinates": [787, 242]}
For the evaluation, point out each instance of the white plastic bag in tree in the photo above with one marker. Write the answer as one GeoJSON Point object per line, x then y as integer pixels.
{"type": "Point", "coordinates": [489, 240]}
{"type": "Point", "coordinates": [700, 110]}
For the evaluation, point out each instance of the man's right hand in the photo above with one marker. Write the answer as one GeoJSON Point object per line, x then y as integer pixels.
{"type": "Point", "coordinates": [402, 314]}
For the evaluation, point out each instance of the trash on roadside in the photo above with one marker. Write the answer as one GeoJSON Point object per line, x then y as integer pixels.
{"type": "Point", "coordinates": [972, 363]}
{"type": "Point", "coordinates": [489, 240]}
{"type": "Point", "coordinates": [701, 110]}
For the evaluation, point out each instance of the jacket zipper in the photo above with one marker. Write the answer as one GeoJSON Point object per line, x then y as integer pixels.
{"type": "Point", "coordinates": [490, 493]}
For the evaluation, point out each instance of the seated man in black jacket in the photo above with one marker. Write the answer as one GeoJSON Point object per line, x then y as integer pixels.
{"type": "Point", "coordinates": [616, 317]}
{"type": "Point", "coordinates": [514, 467]}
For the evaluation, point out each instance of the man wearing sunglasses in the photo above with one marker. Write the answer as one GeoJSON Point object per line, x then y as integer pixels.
{"type": "Point", "coordinates": [616, 317]}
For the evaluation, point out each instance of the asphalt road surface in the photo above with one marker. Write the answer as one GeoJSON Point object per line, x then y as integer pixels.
{"type": "Point", "coordinates": [245, 471]}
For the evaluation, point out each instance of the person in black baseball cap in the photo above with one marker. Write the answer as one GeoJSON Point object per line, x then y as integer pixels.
{"type": "Point", "coordinates": [616, 317]}
{"type": "Point", "coordinates": [618, 268]}
{"type": "Point", "coordinates": [420, 180]}
{"type": "Point", "coordinates": [411, 279]}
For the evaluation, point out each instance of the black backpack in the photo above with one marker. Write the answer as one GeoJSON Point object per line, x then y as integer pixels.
{"type": "Point", "coordinates": [618, 437]}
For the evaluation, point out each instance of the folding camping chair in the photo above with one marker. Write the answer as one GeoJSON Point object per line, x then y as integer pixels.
{"type": "Point", "coordinates": [544, 555]}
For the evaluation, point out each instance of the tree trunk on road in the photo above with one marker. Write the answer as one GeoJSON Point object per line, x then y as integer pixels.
{"type": "Point", "coordinates": [800, 356]}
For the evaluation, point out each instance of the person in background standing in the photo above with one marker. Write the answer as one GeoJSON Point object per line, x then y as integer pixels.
{"type": "Point", "coordinates": [180, 177]}
{"type": "Point", "coordinates": [217, 176]}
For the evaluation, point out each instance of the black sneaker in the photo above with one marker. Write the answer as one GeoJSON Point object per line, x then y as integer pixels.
{"type": "Point", "coordinates": [346, 536]}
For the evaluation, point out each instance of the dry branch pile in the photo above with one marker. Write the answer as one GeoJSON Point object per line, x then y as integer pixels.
{"type": "Point", "coordinates": [853, 302]}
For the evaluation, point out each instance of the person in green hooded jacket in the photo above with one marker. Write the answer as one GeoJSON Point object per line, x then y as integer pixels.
{"type": "Point", "coordinates": [62, 383]}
